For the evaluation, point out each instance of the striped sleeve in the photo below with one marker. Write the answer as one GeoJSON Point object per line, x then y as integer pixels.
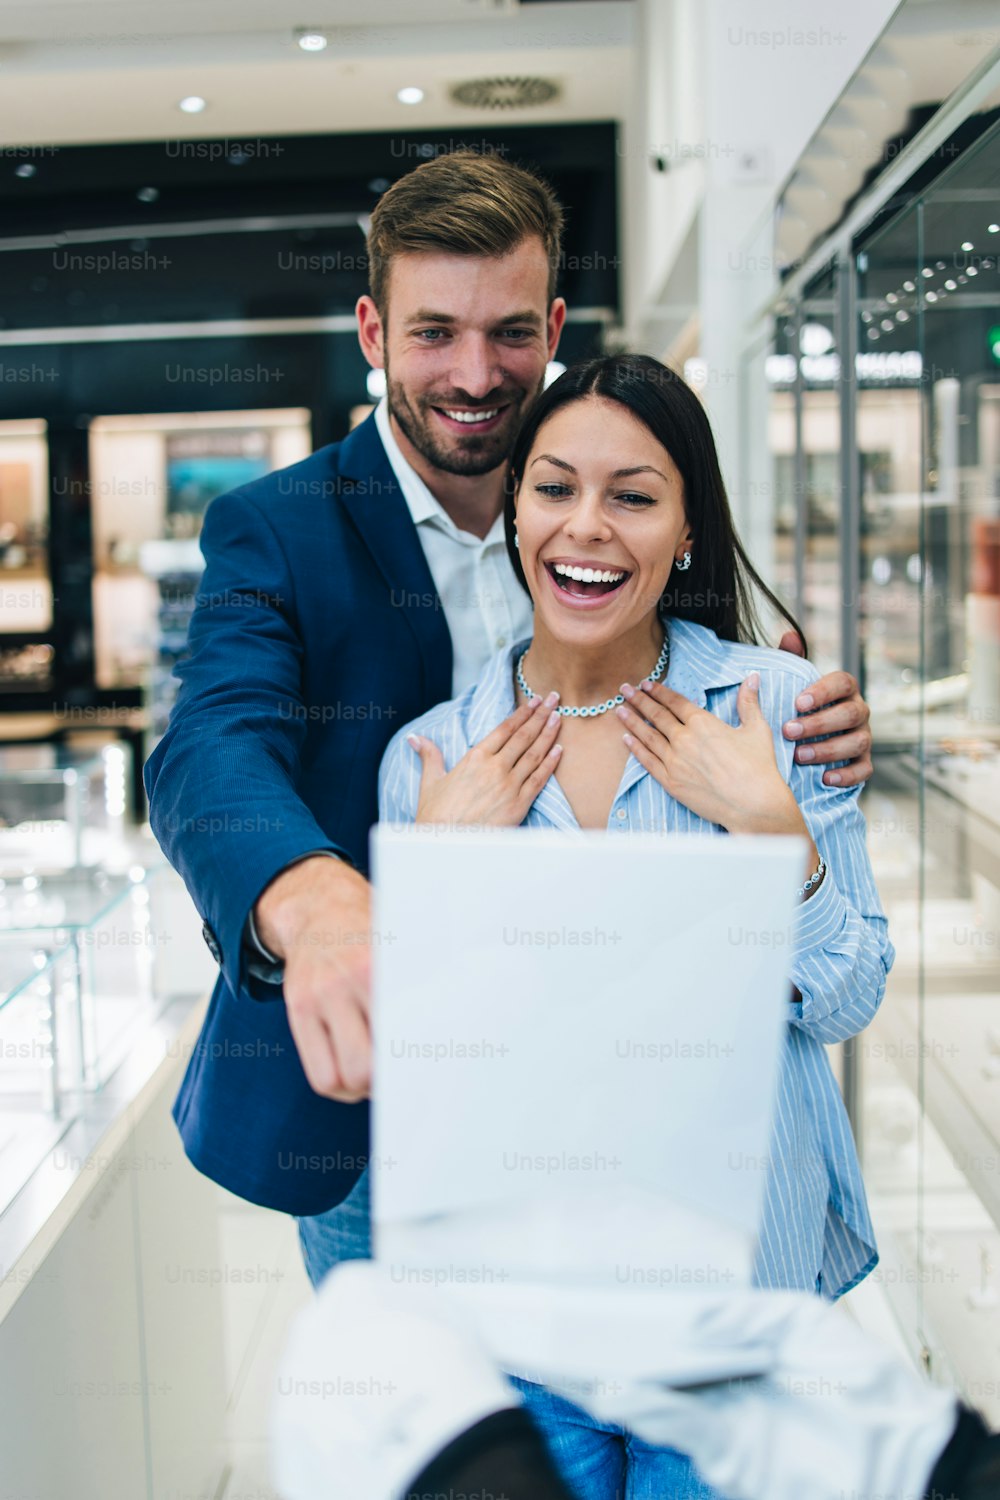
{"type": "Point", "coordinates": [399, 780]}
{"type": "Point", "coordinates": [842, 949]}
{"type": "Point", "coordinates": [401, 769]}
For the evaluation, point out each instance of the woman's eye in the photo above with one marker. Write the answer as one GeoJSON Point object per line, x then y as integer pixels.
{"type": "Point", "coordinates": [553, 491]}
{"type": "Point", "coordinates": [633, 499]}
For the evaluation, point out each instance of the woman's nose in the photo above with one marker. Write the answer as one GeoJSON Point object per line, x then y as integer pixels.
{"type": "Point", "coordinates": [586, 522]}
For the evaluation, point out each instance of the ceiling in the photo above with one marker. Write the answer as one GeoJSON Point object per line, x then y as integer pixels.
{"type": "Point", "coordinates": [76, 71]}
{"type": "Point", "coordinates": [928, 48]}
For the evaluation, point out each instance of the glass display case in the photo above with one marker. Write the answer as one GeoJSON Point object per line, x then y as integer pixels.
{"type": "Point", "coordinates": [83, 961]}
{"type": "Point", "coordinates": [914, 429]}
{"type": "Point", "coordinates": [61, 807]}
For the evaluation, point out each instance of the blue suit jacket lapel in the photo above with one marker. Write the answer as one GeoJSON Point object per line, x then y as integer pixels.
{"type": "Point", "coordinates": [370, 495]}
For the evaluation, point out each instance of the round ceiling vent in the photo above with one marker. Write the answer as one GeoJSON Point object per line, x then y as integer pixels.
{"type": "Point", "coordinates": [505, 93]}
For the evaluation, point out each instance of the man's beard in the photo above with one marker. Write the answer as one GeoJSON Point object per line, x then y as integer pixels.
{"type": "Point", "coordinates": [468, 456]}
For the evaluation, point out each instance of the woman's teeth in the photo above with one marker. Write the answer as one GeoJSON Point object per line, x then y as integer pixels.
{"type": "Point", "coordinates": [587, 575]}
{"type": "Point", "coordinates": [471, 417]}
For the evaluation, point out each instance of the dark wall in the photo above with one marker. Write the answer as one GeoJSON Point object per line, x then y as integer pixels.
{"type": "Point", "coordinates": [180, 252]}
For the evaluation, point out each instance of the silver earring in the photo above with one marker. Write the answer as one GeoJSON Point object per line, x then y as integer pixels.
{"type": "Point", "coordinates": [517, 539]}
{"type": "Point", "coordinates": [684, 564]}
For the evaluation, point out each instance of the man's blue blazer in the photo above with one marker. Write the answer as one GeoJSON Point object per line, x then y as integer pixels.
{"type": "Point", "coordinates": [317, 634]}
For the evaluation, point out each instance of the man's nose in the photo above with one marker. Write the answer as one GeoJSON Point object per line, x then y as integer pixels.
{"type": "Point", "coordinates": [476, 368]}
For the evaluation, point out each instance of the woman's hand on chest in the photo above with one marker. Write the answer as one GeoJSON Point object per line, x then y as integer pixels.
{"type": "Point", "coordinates": [496, 781]}
{"type": "Point", "coordinates": [726, 774]}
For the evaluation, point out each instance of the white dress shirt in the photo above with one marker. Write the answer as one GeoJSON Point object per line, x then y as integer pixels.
{"type": "Point", "coordinates": [485, 606]}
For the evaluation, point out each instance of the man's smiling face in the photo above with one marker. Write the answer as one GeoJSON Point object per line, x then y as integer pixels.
{"type": "Point", "coordinates": [464, 345]}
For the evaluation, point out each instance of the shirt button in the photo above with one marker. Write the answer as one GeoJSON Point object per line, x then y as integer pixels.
{"type": "Point", "coordinates": [501, 641]}
{"type": "Point", "coordinates": [621, 814]}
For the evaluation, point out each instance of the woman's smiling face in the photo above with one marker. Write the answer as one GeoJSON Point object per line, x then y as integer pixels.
{"type": "Point", "coordinates": [599, 492]}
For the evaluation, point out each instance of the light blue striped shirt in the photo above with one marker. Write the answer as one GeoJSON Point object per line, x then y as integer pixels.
{"type": "Point", "coordinates": [816, 1231]}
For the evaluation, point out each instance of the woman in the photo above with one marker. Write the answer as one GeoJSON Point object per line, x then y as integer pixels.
{"type": "Point", "coordinates": [619, 528]}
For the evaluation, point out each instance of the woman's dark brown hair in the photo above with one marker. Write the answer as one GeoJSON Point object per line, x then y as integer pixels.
{"type": "Point", "coordinates": [721, 586]}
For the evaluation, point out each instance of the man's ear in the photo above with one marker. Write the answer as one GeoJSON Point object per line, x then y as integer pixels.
{"type": "Point", "coordinates": [371, 332]}
{"type": "Point", "coordinates": [554, 324]}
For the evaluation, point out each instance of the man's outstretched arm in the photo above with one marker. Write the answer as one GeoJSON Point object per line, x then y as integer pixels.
{"type": "Point", "coordinates": [222, 787]}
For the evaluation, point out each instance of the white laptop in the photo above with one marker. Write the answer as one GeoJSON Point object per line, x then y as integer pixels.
{"type": "Point", "coordinates": [577, 1038]}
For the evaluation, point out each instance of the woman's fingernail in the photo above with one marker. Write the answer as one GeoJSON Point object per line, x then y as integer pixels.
{"type": "Point", "coordinates": [794, 729]}
{"type": "Point", "coordinates": [806, 752]}
{"type": "Point", "coordinates": [414, 740]}
{"type": "Point", "coordinates": [622, 712]}
{"type": "Point", "coordinates": [647, 685]}
{"type": "Point", "coordinates": [627, 690]}
{"type": "Point", "coordinates": [752, 679]}
{"type": "Point", "coordinates": [835, 778]}
{"type": "Point", "coordinates": [552, 699]}
{"type": "Point", "coordinates": [628, 739]}
{"type": "Point", "coordinates": [804, 702]}
{"type": "Point", "coordinates": [553, 718]}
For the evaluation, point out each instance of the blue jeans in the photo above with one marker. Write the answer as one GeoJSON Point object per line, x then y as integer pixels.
{"type": "Point", "coordinates": [596, 1460]}
{"type": "Point", "coordinates": [599, 1461]}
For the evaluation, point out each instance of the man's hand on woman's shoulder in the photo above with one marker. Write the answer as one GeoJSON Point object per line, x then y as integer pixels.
{"type": "Point", "coordinates": [831, 705]}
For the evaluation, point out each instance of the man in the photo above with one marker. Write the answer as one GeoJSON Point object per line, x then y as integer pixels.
{"type": "Point", "coordinates": [343, 597]}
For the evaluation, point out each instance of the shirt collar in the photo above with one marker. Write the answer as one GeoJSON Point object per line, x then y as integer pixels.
{"type": "Point", "coordinates": [699, 663]}
{"type": "Point", "coordinates": [423, 505]}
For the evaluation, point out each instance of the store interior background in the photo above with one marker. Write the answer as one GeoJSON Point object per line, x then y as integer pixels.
{"type": "Point", "coordinates": [802, 212]}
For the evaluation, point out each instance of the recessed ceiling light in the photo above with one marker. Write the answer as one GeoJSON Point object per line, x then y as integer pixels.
{"type": "Point", "coordinates": [410, 96]}
{"type": "Point", "coordinates": [966, 244]}
{"type": "Point", "coordinates": [26, 169]}
{"type": "Point", "coordinates": [993, 228]}
{"type": "Point", "coordinates": [312, 41]}
{"type": "Point", "coordinates": [193, 104]}
{"type": "Point", "coordinates": [148, 194]}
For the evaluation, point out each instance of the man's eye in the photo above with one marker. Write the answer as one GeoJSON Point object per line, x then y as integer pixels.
{"type": "Point", "coordinates": [518, 334]}
{"type": "Point", "coordinates": [430, 335]}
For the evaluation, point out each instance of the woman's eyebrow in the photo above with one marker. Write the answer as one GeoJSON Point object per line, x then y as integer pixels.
{"type": "Point", "coordinates": [561, 463]}
{"type": "Point", "coordinates": [639, 469]}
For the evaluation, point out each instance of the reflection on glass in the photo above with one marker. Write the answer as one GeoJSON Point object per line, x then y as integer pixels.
{"type": "Point", "coordinates": [25, 590]}
{"type": "Point", "coordinates": [153, 477]}
{"type": "Point", "coordinates": [924, 399]}
{"type": "Point", "coordinates": [819, 372]}
{"type": "Point", "coordinates": [930, 441]}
